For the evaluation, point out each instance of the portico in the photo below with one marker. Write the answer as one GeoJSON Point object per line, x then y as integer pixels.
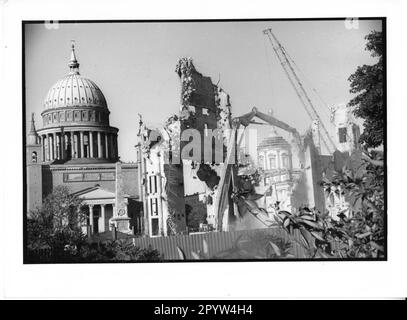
{"type": "Point", "coordinates": [100, 207]}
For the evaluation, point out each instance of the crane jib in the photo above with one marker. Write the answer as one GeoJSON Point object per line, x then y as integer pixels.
{"type": "Point", "coordinates": [299, 89]}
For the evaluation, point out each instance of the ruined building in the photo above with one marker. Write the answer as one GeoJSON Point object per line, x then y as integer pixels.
{"type": "Point", "coordinates": [176, 175]}
{"type": "Point", "coordinates": [188, 185]}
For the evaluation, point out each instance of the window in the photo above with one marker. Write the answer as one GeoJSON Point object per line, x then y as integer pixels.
{"type": "Point", "coordinates": [154, 206]}
{"type": "Point", "coordinates": [152, 184]}
{"type": "Point", "coordinates": [342, 135]}
{"type": "Point", "coordinates": [285, 161]}
{"type": "Point", "coordinates": [272, 162]}
{"type": "Point", "coordinates": [154, 227]}
{"type": "Point", "coordinates": [68, 177]}
{"type": "Point", "coordinates": [261, 162]}
{"type": "Point", "coordinates": [88, 176]}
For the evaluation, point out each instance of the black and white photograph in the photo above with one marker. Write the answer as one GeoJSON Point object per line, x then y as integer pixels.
{"type": "Point", "coordinates": [202, 158]}
{"type": "Point", "coordinates": [161, 141]}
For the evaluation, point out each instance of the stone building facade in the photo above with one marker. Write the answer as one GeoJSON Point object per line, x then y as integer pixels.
{"type": "Point", "coordinates": [275, 162]}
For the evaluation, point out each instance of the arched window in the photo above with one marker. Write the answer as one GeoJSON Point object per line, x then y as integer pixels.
{"type": "Point", "coordinates": [34, 157]}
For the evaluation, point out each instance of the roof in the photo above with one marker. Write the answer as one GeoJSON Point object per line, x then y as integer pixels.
{"type": "Point", "coordinates": [274, 142]}
{"type": "Point", "coordinates": [74, 90]}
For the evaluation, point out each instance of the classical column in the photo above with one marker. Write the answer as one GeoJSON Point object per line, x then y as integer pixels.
{"type": "Point", "coordinates": [91, 143]}
{"type": "Point", "coordinates": [82, 145]}
{"type": "Point", "coordinates": [102, 221]}
{"type": "Point", "coordinates": [91, 218]}
{"type": "Point", "coordinates": [62, 145]}
{"type": "Point", "coordinates": [116, 148]}
{"type": "Point", "coordinates": [106, 145]}
{"type": "Point", "coordinates": [75, 139]}
{"type": "Point", "coordinates": [54, 140]}
{"type": "Point", "coordinates": [100, 155]}
{"type": "Point", "coordinates": [72, 145]}
{"type": "Point", "coordinates": [111, 146]}
{"type": "Point", "coordinates": [58, 140]}
{"type": "Point", "coordinates": [65, 152]}
{"type": "Point", "coordinates": [49, 147]}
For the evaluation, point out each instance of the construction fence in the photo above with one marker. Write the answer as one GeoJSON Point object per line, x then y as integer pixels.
{"type": "Point", "coordinates": [217, 242]}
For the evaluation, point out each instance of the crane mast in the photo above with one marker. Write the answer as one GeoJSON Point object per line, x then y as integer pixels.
{"type": "Point", "coordinates": [299, 88]}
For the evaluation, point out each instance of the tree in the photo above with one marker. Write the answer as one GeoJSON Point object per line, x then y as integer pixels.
{"type": "Point", "coordinates": [367, 83]}
{"type": "Point", "coordinates": [57, 222]}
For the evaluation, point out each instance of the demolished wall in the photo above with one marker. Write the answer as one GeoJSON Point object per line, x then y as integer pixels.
{"type": "Point", "coordinates": [204, 107]}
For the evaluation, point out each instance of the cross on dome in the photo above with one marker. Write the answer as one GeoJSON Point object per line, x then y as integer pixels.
{"type": "Point", "coordinates": [73, 62]}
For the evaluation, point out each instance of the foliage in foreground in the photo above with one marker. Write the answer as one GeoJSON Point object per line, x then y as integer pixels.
{"type": "Point", "coordinates": [358, 234]}
{"type": "Point", "coordinates": [54, 235]}
{"type": "Point", "coordinates": [57, 222]}
{"type": "Point", "coordinates": [107, 251]}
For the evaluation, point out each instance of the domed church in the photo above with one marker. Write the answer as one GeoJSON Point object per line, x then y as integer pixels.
{"type": "Point", "coordinates": [77, 147]}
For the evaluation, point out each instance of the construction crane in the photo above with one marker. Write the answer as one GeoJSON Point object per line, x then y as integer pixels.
{"type": "Point", "coordinates": [299, 89]}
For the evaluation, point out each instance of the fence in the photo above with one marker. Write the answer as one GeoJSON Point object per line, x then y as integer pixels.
{"type": "Point", "coordinates": [216, 242]}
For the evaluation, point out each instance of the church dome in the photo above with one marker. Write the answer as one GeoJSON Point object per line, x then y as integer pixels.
{"type": "Point", "coordinates": [73, 90]}
{"type": "Point", "coordinates": [75, 100]}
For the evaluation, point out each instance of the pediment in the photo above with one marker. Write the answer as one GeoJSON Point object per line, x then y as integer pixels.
{"type": "Point", "coordinates": [95, 193]}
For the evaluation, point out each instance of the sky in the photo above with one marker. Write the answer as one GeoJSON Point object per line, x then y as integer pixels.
{"type": "Point", "coordinates": [134, 66]}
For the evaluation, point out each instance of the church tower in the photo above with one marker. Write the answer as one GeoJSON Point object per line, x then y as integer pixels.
{"type": "Point", "coordinates": [34, 168]}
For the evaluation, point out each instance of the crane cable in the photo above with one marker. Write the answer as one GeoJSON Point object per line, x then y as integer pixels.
{"type": "Point", "coordinates": [304, 96]}
{"type": "Point", "coordinates": [317, 94]}
{"type": "Point", "coordinates": [269, 67]}
{"type": "Point", "coordinates": [323, 102]}
{"type": "Point", "coordinates": [295, 88]}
